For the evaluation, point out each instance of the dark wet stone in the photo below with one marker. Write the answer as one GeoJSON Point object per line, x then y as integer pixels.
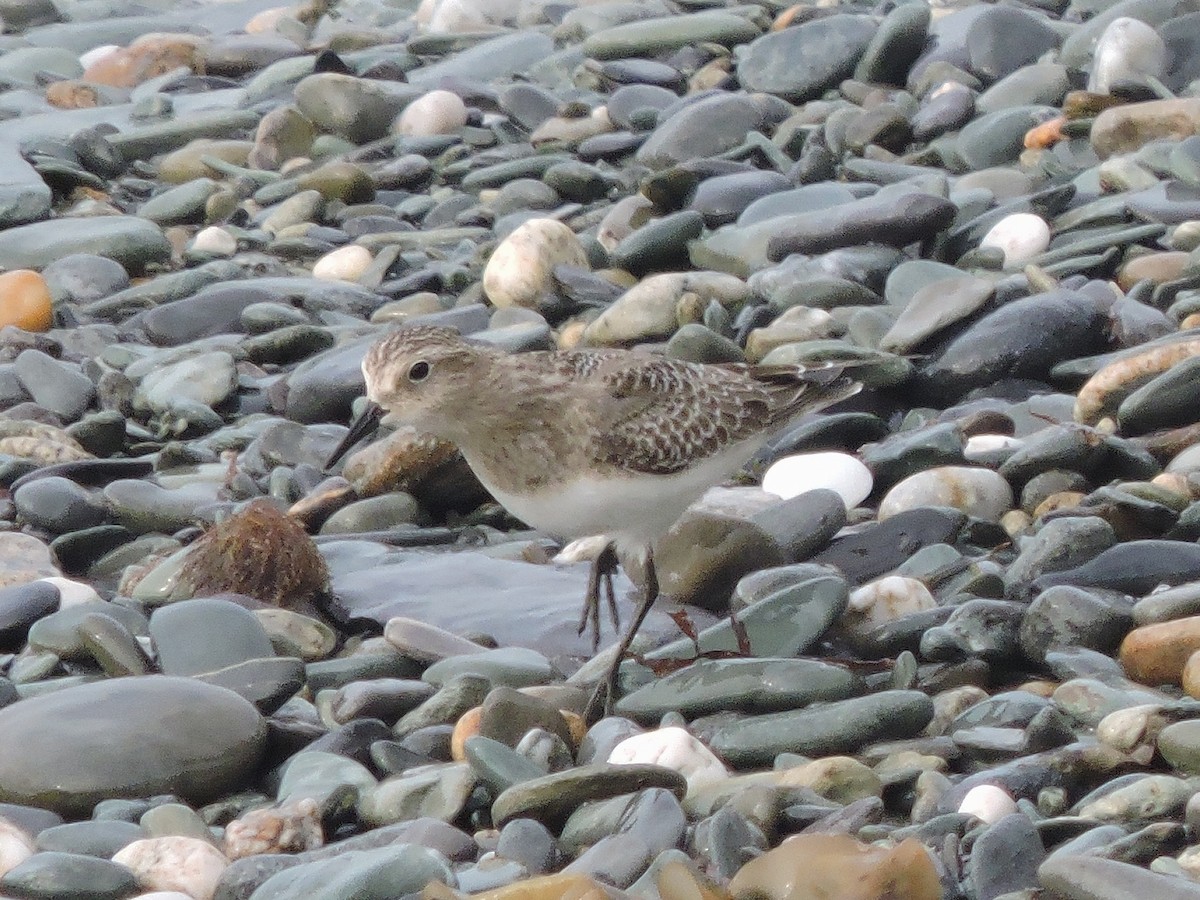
{"type": "Point", "coordinates": [946, 110]}
{"type": "Point", "coordinates": [1022, 339]}
{"type": "Point", "coordinates": [1057, 545]}
{"type": "Point", "coordinates": [1085, 877]}
{"type": "Point", "coordinates": [100, 839]}
{"type": "Point", "coordinates": [54, 875]}
{"type": "Point", "coordinates": [217, 309]}
{"type": "Point", "coordinates": [721, 199]}
{"type": "Point", "coordinates": [988, 42]}
{"type": "Point", "coordinates": [20, 606]}
{"type": "Point", "coordinates": [831, 728]}
{"type": "Point", "coordinates": [131, 241]}
{"type": "Point", "coordinates": [895, 46]}
{"type": "Point", "coordinates": [268, 683]}
{"type": "Point", "coordinates": [1168, 202]}
{"type": "Point", "coordinates": [375, 874]}
{"type": "Point", "coordinates": [1135, 567]}
{"type": "Point", "coordinates": [60, 631]}
{"type": "Point", "coordinates": [497, 765]}
{"type": "Point", "coordinates": [1006, 709]}
{"type": "Point", "coordinates": [781, 612]}
{"type": "Point", "coordinates": [883, 126]}
{"type": "Point", "coordinates": [1167, 401]}
{"type": "Point", "coordinates": [745, 685]}
{"type": "Point", "coordinates": [497, 58]}
{"type": "Point", "coordinates": [530, 843]}
{"type": "Point", "coordinates": [1041, 84]}
{"type": "Point", "coordinates": [804, 524]}
{"type": "Point", "coordinates": [507, 715]}
{"type": "Point", "coordinates": [909, 452]}
{"type": "Point", "coordinates": [339, 671]}
{"type": "Point", "coordinates": [894, 219]}
{"type": "Point", "coordinates": [113, 646]}
{"type": "Point", "coordinates": [380, 698]}
{"type": "Point", "coordinates": [801, 62]}
{"type": "Point", "coordinates": [699, 128]}
{"type": "Point", "coordinates": [658, 245]}
{"type": "Point", "coordinates": [54, 385]}
{"type": "Point", "coordinates": [552, 798]}
{"type": "Point", "coordinates": [322, 388]}
{"type": "Point", "coordinates": [30, 819]}
{"type": "Point", "coordinates": [1005, 858]}
{"type": "Point", "coordinates": [997, 139]}
{"type": "Point", "coordinates": [978, 628]}
{"type": "Point", "coordinates": [859, 555]}
{"type": "Point", "coordinates": [58, 505]}
{"type": "Point", "coordinates": [83, 277]}
{"type": "Point", "coordinates": [1081, 449]}
{"type": "Point", "coordinates": [646, 37]}
{"type": "Point", "coordinates": [182, 205]}
{"type": "Point", "coordinates": [616, 859]}
{"type": "Point", "coordinates": [455, 697]}
{"type": "Point", "coordinates": [128, 737]}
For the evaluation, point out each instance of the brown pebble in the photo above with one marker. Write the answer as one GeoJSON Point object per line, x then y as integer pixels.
{"type": "Point", "coordinates": [1105, 390]}
{"type": "Point", "coordinates": [837, 865]}
{"type": "Point", "coordinates": [1156, 654]}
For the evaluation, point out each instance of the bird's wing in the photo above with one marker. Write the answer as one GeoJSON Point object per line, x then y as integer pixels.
{"type": "Point", "coordinates": [659, 415]}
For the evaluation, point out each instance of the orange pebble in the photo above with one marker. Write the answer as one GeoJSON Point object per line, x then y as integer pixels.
{"type": "Point", "coordinates": [786, 18]}
{"type": "Point", "coordinates": [25, 301]}
{"type": "Point", "coordinates": [466, 726]}
{"type": "Point", "coordinates": [1045, 135]}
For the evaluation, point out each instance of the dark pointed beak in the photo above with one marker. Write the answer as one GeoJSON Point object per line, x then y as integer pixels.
{"type": "Point", "coordinates": [362, 427]}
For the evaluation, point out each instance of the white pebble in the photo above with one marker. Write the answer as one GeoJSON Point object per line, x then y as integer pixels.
{"type": "Point", "coordinates": [519, 271]}
{"type": "Point", "coordinates": [96, 54]}
{"type": "Point", "coordinates": [1127, 50]}
{"type": "Point", "coordinates": [890, 598]}
{"type": "Point", "coordinates": [162, 895]}
{"type": "Point", "coordinates": [983, 446]}
{"type": "Point", "coordinates": [671, 748]}
{"type": "Point", "coordinates": [988, 803]}
{"type": "Point", "coordinates": [979, 492]}
{"type": "Point", "coordinates": [438, 112]}
{"type": "Point", "coordinates": [15, 846]}
{"type": "Point", "coordinates": [214, 240]}
{"type": "Point", "coordinates": [838, 472]}
{"type": "Point", "coordinates": [73, 593]}
{"type": "Point", "coordinates": [343, 264]}
{"type": "Point", "coordinates": [1021, 236]}
{"type": "Point", "coordinates": [189, 865]}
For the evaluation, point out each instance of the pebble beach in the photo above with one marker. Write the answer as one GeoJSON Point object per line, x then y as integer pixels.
{"type": "Point", "coordinates": [939, 641]}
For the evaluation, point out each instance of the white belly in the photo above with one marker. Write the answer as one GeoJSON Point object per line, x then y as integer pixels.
{"type": "Point", "coordinates": [633, 509]}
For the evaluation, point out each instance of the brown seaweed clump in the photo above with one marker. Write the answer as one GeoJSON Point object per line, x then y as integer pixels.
{"type": "Point", "coordinates": [260, 552]}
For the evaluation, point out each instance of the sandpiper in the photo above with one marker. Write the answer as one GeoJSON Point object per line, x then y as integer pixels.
{"type": "Point", "coordinates": [588, 442]}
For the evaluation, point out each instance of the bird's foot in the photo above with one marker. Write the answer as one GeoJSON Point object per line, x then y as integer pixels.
{"type": "Point", "coordinates": [604, 566]}
{"type": "Point", "coordinates": [601, 702]}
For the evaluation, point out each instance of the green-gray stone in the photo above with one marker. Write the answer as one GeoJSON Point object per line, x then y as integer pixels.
{"type": "Point", "coordinates": [128, 737]}
{"type": "Point", "coordinates": [57, 876]}
{"type": "Point", "coordinates": [130, 240]}
{"type": "Point", "coordinates": [511, 666]}
{"type": "Point", "coordinates": [744, 685]}
{"type": "Point", "coordinates": [823, 730]}
{"type": "Point", "coordinates": [551, 798]}
{"type": "Point", "coordinates": [381, 874]}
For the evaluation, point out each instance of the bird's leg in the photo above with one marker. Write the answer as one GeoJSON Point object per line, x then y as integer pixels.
{"type": "Point", "coordinates": [605, 694]}
{"type": "Point", "coordinates": [604, 566]}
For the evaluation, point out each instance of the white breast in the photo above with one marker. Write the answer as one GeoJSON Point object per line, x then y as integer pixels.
{"type": "Point", "coordinates": [633, 509]}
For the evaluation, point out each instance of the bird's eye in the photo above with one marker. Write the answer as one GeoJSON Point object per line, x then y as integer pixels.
{"type": "Point", "coordinates": [419, 371]}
